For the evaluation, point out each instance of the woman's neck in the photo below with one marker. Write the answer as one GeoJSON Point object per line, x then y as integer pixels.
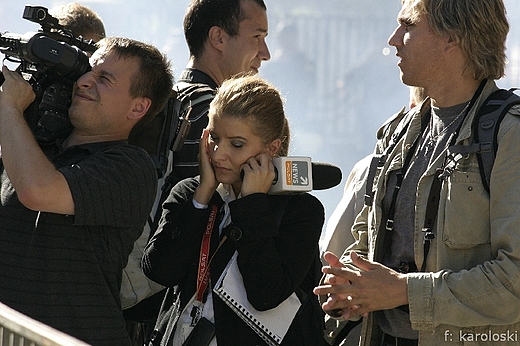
{"type": "Point", "coordinates": [237, 187]}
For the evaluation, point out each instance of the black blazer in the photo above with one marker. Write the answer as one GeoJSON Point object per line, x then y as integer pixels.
{"type": "Point", "coordinates": [277, 255]}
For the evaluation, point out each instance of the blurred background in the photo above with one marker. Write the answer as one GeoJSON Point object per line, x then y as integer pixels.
{"type": "Point", "coordinates": [330, 59]}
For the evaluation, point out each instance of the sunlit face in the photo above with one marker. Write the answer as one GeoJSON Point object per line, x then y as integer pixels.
{"type": "Point", "coordinates": [101, 97]}
{"type": "Point", "coordinates": [247, 50]}
{"type": "Point", "coordinates": [232, 142]}
{"type": "Point", "coordinates": [420, 50]}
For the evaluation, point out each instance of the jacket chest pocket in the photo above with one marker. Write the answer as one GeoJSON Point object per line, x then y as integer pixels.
{"type": "Point", "coordinates": [466, 222]}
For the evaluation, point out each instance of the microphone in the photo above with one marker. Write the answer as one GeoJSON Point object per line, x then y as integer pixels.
{"type": "Point", "coordinates": [297, 174]}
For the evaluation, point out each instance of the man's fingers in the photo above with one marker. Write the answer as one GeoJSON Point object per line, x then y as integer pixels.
{"type": "Point", "coordinates": [332, 259]}
{"type": "Point", "coordinates": [361, 262]}
{"type": "Point", "coordinates": [341, 272]}
{"type": "Point", "coordinates": [339, 291]}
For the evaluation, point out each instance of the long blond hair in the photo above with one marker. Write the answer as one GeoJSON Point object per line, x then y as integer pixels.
{"type": "Point", "coordinates": [479, 27]}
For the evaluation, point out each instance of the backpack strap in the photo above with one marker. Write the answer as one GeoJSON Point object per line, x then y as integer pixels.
{"type": "Point", "coordinates": [185, 98]}
{"type": "Point", "coordinates": [168, 129]}
{"type": "Point", "coordinates": [190, 95]}
{"type": "Point", "coordinates": [485, 127]}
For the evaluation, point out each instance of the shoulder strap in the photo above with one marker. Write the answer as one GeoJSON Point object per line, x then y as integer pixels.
{"type": "Point", "coordinates": [156, 135]}
{"type": "Point", "coordinates": [486, 125]}
{"type": "Point", "coordinates": [170, 126]}
{"type": "Point", "coordinates": [192, 94]}
{"type": "Point", "coordinates": [186, 96]}
{"type": "Point", "coordinates": [379, 160]}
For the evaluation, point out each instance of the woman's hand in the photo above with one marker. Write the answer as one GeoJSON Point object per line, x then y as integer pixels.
{"type": "Point", "coordinates": [258, 175]}
{"type": "Point", "coordinates": [208, 182]}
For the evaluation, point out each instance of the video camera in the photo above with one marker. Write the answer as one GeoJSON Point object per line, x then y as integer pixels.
{"type": "Point", "coordinates": [51, 60]}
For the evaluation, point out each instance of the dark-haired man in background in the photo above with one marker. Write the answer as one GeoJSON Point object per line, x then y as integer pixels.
{"type": "Point", "coordinates": [225, 37]}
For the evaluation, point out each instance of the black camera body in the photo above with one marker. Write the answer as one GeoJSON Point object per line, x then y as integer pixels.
{"type": "Point", "coordinates": [51, 59]}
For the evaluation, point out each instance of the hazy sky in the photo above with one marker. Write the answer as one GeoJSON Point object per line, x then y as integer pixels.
{"type": "Point", "coordinates": [355, 90]}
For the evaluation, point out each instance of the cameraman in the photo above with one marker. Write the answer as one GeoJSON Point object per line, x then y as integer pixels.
{"type": "Point", "coordinates": [70, 212]}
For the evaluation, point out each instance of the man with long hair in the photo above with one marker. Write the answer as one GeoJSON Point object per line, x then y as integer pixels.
{"type": "Point", "coordinates": [436, 257]}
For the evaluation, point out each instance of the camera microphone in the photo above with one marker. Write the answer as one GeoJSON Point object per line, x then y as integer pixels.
{"type": "Point", "coordinates": [297, 174]}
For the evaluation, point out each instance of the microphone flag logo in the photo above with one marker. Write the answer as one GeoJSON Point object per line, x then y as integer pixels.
{"type": "Point", "coordinates": [297, 173]}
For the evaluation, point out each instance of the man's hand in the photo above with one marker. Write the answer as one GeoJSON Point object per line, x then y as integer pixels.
{"type": "Point", "coordinates": [330, 279]}
{"type": "Point", "coordinates": [16, 92]}
{"type": "Point", "coordinates": [39, 186]}
{"type": "Point", "coordinates": [373, 287]}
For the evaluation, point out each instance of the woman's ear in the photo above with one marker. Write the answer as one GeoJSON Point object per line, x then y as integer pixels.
{"type": "Point", "coordinates": [274, 147]}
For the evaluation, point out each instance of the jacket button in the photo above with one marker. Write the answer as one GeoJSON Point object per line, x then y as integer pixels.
{"type": "Point", "coordinates": [176, 231]}
{"type": "Point", "coordinates": [235, 233]}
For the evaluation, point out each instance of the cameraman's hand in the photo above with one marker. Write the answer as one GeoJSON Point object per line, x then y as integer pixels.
{"type": "Point", "coordinates": [258, 175]}
{"type": "Point", "coordinates": [39, 185]}
{"type": "Point", "coordinates": [208, 182]}
{"type": "Point", "coordinates": [15, 92]}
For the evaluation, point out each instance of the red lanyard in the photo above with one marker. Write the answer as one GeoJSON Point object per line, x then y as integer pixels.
{"type": "Point", "coordinates": [203, 272]}
{"type": "Point", "coordinates": [204, 262]}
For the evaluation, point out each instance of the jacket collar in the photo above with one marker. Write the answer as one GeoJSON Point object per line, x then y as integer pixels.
{"type": "Point", "coordinates": [192, 75]}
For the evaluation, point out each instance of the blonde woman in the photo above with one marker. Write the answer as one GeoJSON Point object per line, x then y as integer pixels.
{"type": "Point", "coordinates": [274, 237]}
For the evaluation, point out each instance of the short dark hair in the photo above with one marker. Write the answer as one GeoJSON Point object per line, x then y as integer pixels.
{"type": "Point", "coordinates": [154, 79]}
{"type": "Point", "coordinates": [202, 15]}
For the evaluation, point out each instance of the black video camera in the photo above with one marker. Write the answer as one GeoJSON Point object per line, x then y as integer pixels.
{"type": "Point", "coordinates": [51, 59]}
